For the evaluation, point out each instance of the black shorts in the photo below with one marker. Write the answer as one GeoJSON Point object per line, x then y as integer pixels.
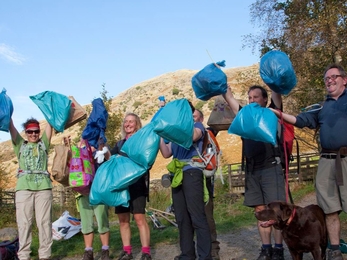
{"type": "Point", "coordinates": [138, 194]}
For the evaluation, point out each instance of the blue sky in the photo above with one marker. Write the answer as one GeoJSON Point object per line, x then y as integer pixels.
{"type": "Point", "coordinates": [73, 47]}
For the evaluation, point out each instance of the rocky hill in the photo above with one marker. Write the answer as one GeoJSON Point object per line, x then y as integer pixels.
{"type": "Point", "coordinates": [142, 99]}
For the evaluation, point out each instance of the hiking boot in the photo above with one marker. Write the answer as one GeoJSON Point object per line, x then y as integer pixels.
{"type": "Point", "coordinates": [88, 255]}
{"type": "Point", "coordinates": [105, 254]}
{"type": "Point", "coordinates": [334, 255]}
{"type": "Point", "coordinates": [277, 253]}
{"type": "Point", "coordinates": [125, 256]}
{"type": "Point", "coordinates": [265, 254]}
{"type": "Point", "coordinates": [145, 257]}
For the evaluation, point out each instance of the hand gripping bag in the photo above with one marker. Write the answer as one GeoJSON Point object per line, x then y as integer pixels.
{"type": "Point", "coordinates": [142, 147]}
{"type": "Point", "coordinates": [6, 110]}
{"type": "Point", "coordinates": [55, 108]}
{"type": "Point", "coordinates": [277, 72]}
{"type": "Point", "coordinates": [210, 81]}
{"type": "Point", "coordinates": [175, 123]}
{"type": "Point", "coordinates": [82, 169]}
{"type": "Point", "coordinates": [256, 123]}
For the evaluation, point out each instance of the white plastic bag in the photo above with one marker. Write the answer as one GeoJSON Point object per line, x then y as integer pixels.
{"type": "Point", "coordinates": [65, 227]}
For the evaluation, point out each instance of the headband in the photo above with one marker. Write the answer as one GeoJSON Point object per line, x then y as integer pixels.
{"type": "Point", "coordinates": [32, 125]}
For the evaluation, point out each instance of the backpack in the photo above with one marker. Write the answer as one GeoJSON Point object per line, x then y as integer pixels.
{"type": "Point", "coordinates": [286, 140]}
{"type": "Point", "coordinates": [209, 159]}
{"type": "Point", "coordinates": [9, 249]}
{"type": "Point", "coordinates": [42, 147]}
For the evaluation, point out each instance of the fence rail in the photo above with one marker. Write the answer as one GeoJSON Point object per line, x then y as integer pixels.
{"type": "Point", "coordinates": [302, 169]}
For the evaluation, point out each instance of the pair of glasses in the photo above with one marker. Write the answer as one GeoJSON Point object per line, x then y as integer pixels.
{"type": "Point", "coordinates": [333, 77]}
{"type": "Point", "coordinates": [30, 132]}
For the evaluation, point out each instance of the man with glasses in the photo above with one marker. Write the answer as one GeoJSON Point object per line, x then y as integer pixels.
{"type": "Point", "coordinates": [331, 179]}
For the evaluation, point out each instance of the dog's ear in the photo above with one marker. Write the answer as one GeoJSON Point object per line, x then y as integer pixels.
{"type": "Point", "coordinates": [286, 210]}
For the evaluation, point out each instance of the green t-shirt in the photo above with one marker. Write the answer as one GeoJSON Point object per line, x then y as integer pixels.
{"type": "Point", "coordinates": [33, 157]}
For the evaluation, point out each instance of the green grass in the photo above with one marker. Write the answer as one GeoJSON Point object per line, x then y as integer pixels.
{"type": "Point", "coordinates": [229, 216]}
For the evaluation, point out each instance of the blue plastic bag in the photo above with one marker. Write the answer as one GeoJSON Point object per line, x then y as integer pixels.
{"type": "Point", "coordinates": [175, 123]}
{"type": "Point", "coordinates": [6, 110]}
{"type": "Point", "coordinates": [96, 124]}
{"type": "Point", "coordinates": [55, 108]}
{"type": "Point", "coordinates": [104, 196]}
{"type": "Point", "coordinates": [256, 123]}
{"type": "Point", "coordinates": [122, 172]}
{"type": "Point", "coordinates": [210, 81]}
{"type": "Point", "coordinates": [277, 72]}
{"type": "Point", "coordinates": [142, 147]}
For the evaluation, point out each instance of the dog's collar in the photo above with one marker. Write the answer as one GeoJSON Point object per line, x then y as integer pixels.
{"type": "Point", "coordinates": [291, 216]}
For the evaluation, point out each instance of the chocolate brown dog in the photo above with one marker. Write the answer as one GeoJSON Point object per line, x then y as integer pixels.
{"type": "Point", "coordinates": [303, 229]}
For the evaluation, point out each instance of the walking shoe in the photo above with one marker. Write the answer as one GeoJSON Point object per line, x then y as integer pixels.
{"type": "Point", "coordinates": [125, 256]}
{"type": "Point", "coordinates": [88, 255]}
{"type": "Point", "coordinates": [334, 255]}
{"type": "Point", "coordinates": [145, 257]}
{"type": "Point", "coordinates": [265, 254]}
{"type": "Point", "coordinates": [105, 254]}
{"type": "Point", "coordinates": [277, 253]}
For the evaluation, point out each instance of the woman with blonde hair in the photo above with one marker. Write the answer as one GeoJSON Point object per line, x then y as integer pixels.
{"type": "Point", "coordinates": [138, 194]}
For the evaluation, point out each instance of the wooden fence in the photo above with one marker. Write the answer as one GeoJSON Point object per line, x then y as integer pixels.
{"type": "Point", "coordinates": [304, 171]}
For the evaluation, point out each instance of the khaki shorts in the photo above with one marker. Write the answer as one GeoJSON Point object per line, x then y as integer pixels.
{"type": "Point", "coordinates": [331, 197]}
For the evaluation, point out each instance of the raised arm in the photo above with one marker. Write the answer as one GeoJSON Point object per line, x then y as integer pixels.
{"type": "Point", "coordinates": [277, 99]}
{"type": "Point", "coordinates": [230, 99]}
{"type": "Point", "coordinates": [165, 149]}
{"type": "Point", "coordinates": [49, 131]}
{"type": "Point", "coordinates": [13, 131]}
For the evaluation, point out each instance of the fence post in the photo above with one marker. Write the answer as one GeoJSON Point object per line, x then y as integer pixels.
{"type": "Point", "coordinates": [230, 179]}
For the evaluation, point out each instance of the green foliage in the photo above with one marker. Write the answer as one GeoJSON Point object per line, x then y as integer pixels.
{"type": "Point", "coordinates": [200, 104]}
{"type": "Point", "coordinates": [137, 104]}
{"type": "Point", "coordinates": [175, 91]}
{"type": "Point", "coordinates": [210, 104]}
{"type": "Point", "coordinates": [312, 33]}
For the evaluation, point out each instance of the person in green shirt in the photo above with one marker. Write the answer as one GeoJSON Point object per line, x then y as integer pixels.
{"type": "Point", "coordinates": [34, 187]}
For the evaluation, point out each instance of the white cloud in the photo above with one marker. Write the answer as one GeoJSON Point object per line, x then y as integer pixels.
{"type": "Point", "coordinates": [8, 53]}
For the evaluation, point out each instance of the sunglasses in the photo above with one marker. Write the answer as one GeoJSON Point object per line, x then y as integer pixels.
{"type": "Point", "coordinates": [30, 132]}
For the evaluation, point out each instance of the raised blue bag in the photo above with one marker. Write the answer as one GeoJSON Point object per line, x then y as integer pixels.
{"type": "Point", "coordinates": [175, 123]}
{"type": "Point", "coordinates": [210, 81]}
{"type": "Point", "coordinates": [142, 147]}
{"type": "Point", "coordinates": [55, 108]}
{"type": "Point", "coordinates": [256, 123]}
{"type": "Point", "coordinates": [96, 124]}
{"type": "Point", "coordinates": [277, 72]}
{"type": "Point", "coordinates": [6, 110]}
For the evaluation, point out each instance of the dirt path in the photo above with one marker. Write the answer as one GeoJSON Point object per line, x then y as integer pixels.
{"type": "Point", "coordinates": [243, 244]}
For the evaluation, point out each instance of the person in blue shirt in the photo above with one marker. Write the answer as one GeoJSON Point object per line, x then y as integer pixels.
{"type": "Point", "coordinates": [331, 179]}
{"type": "Point", "coordinates": [188, 199]}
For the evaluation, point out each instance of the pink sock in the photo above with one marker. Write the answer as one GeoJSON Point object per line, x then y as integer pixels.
{"type": "Point", "coordinates": [146, 250]}
{"type": "Point", "coordinates": [127, 249]}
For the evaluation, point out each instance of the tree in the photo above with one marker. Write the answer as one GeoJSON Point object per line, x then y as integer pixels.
{"type": "Point", "coordinates": [311, 32]}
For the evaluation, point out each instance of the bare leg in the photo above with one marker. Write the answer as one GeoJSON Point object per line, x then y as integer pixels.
{"type": "Point", "coordinates": [124, 226]}
{"type": "Point", "coordinates": [143, 227]}
{"type": "Point", "coordinates": [333, 226]}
